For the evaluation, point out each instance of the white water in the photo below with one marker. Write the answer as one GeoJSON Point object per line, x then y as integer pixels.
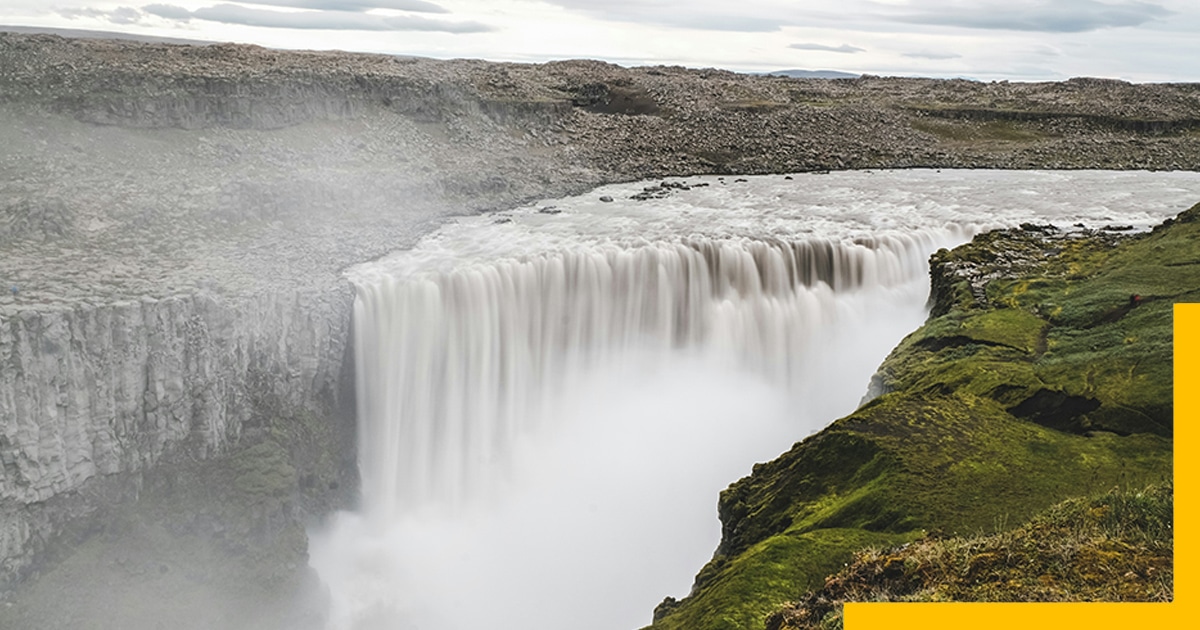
{"type": "Point", "coordinates": [549, 406]}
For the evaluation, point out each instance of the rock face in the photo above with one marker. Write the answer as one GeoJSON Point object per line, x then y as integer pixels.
{"type": "Point", "coordinates": [112, 390]}
{"type": "Point", "coordinates": [174, 219]}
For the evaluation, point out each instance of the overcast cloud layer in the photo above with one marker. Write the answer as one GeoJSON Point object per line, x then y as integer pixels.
{"type": "Point", "coordinates": [1140, 40]}
{"type": "Point", "coordinates": [356, 19]}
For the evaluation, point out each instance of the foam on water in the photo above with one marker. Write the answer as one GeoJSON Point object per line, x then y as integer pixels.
{"type": "Point", "coordinates": [550, 402]}
{"type": "Point", "coordinates": [837, 205]}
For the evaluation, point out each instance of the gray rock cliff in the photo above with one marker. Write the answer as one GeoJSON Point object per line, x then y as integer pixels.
{"type": "Point", "coordinates": [113, 389]}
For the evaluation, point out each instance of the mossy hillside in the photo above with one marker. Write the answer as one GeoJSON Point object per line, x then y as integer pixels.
{"type": "Point", "coordinates": [967, 465]}
{"type": "Point", "coordinates": [1117, 546]}
{"type": "Point", "coordinates": [959, 465]}
{"type": "Point", "coordinates": [760, 576]}
{"type": "Point", "coordinates": [1062, 339]}
{"type": "Point", "coordinates": [1035, 381]}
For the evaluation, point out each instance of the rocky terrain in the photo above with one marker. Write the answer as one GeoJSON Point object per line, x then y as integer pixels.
{"type": "Point", "coordinates": [174, 168]}
{"type": "Point", "coordinates": [174, 220]}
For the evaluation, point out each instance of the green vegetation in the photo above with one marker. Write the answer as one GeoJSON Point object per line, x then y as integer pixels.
{"type": "Point", "coordinates": [1036, 380]}
{"type": "Point", "coordinates": [1116, 546]}
{"type": "Point", "coordinates": [816, 98]}
{"type": "Point", "coordinates": [760, 106]}
{"type": "Point", "coordinates": [969, 131]}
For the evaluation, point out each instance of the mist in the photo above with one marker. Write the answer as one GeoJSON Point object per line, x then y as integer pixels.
{"type": "Point", "coordinates": [609, 504]}
{"type": "Point", "coordinates": [550, 404]}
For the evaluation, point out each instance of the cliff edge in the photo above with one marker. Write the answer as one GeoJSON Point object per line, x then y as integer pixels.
{"type": "Point", "coordinates": [1044, 373]}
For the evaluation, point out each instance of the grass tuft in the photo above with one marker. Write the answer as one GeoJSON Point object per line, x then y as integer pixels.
{"type": "Point", "coordinates": [1116, 546]}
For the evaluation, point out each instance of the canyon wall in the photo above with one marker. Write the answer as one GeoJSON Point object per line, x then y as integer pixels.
{"type": "Point", "coordinates": [174, 219]}
{"type": "Point", "coordinates": [108, 391]}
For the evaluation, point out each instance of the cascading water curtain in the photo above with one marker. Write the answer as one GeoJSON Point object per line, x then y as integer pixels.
{"type": "Point", "coordinates": [548, 410]}
{"type": "Point", "coordinates": [453, 365]}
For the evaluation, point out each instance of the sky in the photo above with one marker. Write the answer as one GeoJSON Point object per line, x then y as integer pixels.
{"type": "Point", "coordinates": [1021, 40]}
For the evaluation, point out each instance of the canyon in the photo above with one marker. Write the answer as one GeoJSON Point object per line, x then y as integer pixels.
{"type": "Point", "coordinates": [175, 222]}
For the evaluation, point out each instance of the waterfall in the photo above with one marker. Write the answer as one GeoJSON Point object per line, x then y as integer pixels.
{"type": "Point", "coordinates": [550, 399]}
{"type": "Point", "coordinates": [454, 365]}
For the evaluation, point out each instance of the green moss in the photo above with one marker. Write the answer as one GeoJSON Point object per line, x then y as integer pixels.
{"type": "Point", "coordinates": [759, 106]}
{"type": "Point", "coordinates": [769, 574]}
{"type": "Point", "coordinates": [262, 473]}
{"type": "Point", "coordinates": [1038, 380]}
{"type": "Point", "coordinates": [1115, 546]}
{"type": "Point", "coordinates": [972, 132]}
{"type": "Point", "coordinates": [1009, 327]}
{"type": "Point", "coordinates": [965, 462]}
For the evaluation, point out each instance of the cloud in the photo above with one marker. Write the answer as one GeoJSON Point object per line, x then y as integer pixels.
{"type": "Point", "coordinates": [844, 48]}
{"type": "Point", "coordinates": [718, 22]}
{"type": "Point", "coordinates": [315, 20]}
{"type": "Point", "coordinates": [675, 13]}
{"type": "Point", "coordinates": [125, 15]}
{"type": "Point", "coordinates": [416, 6]}
{"type": "Point", "coordinates": [1050, 16]}
{"type": "Point", "coordinates": [1046, 51]}
{"type": "Point", "coordinates": [120, 15]}
{"type": "Point", "coordinates": [931, 55]}
{"type": "Point", "coordinates": [84, 12]}
{"type": "Point", "coordinates": [168, 11]}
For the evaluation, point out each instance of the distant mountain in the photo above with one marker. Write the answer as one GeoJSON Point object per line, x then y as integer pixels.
{"type": "Point", "coordinates": [83, 34]}
{"type": "Point", "coordinates": [812, 74]}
